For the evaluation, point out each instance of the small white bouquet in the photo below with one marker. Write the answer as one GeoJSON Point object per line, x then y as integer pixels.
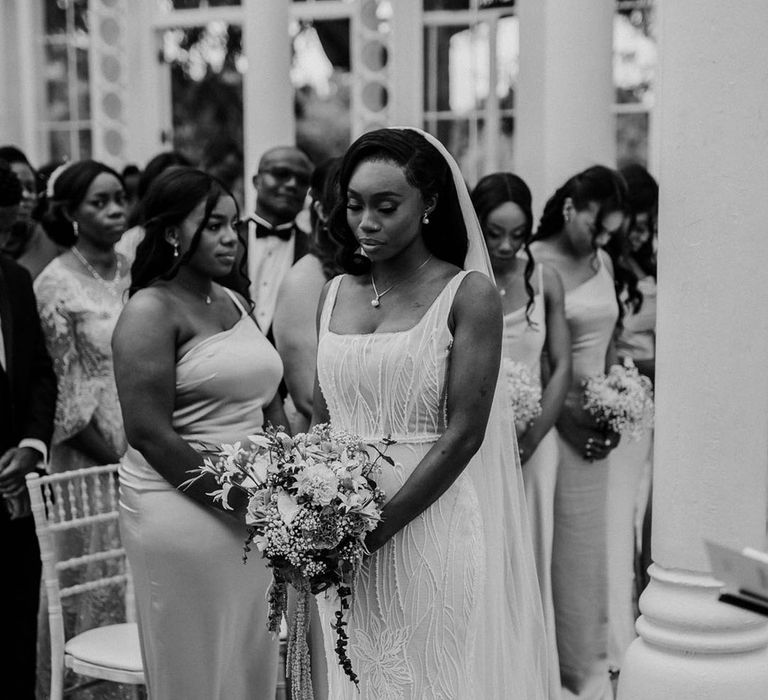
{"type": "Point", "coordinates": [525, 393]}
{"type": "Point", "coordinates": [312, 499]}
{"type": "Point", "coordinates": [621, 400]}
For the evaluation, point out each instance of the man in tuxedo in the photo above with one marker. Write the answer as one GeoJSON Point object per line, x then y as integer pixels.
{"type": "Point", "coordinates": [273, 240]}
{"type": "Point", "coordinates": [27, 407]}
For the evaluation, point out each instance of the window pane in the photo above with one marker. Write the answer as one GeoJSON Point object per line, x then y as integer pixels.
{"type": "Point", "coordinates": [58, 142]}
{"type": "Point", "coordinates": [322, 78]}
{"type": "Point", "coordinates": [83, 92]}
{"type": "Point", "coordinates": [632, 138]}
{"type": "Point", "coordinates": [86, 148]}
{"type": "Point", "coordinates": [456, 76]}
{"type": "Point", "coordinates": [507, 60]}
{"type": "Point", "coordinates": [446, 5]}
{"type": "Point", "coordinates": [55, 17]}
{"type": "Point", "coordinates": [634, 57]}
{"type": "Point", "coordinates": [80, 8]}
{"type": "Point", "coordinates": [56, 86]}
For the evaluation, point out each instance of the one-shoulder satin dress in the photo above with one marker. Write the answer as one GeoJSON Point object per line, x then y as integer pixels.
{"type": "Point", "coordinates": [202, 613]}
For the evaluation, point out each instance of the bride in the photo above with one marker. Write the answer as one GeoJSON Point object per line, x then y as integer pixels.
{"type": "Point", "coordinates": [447, 605]}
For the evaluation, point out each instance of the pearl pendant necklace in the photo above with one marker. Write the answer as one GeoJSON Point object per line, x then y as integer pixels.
{"type": "Point", "coordinates": [376, 303]}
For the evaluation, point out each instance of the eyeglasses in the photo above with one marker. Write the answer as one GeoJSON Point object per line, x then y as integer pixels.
{"type": "Point", "coordinates": [284, 174]}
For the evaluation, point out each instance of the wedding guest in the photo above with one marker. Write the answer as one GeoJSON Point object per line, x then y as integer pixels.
{"type": "Point", "coordinates": [534, 321]}
{"type": "Point", "coordinates": [223, 158]}
{"type": "Point", "coordinates": [631, 463]}
{"type": "Point", "coordinates": [135, 233]}
{"type": "Point", "coordinates": [79, 296]}
{"type": "Point", "coordinates": [294, 322]}
{"type": "Point", "coordinates": [447, 605]}
{"type": "Point", "coordinates": [585, 210]}
{"type": "Point", "coordinates": [273, 241]}
{"type": "Point", "coordinates": [27, 405]}
{"type": "Point", "coordinates": [131, 175]}
{"type": "Point", "coordinates": [28, 242]}
{"type": "Point", "coordinates": [193, 371]}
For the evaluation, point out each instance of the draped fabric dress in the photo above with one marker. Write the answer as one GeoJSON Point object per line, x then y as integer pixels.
{"type": "Point", "coordinates": [202, 614]}
{"type": "Point", "coordinates": [419, 607]}
{"type": "Point", "coordinates": [78, 314]}
{"type": "Point", "coordinates": [579, 567]}
{"type": "Point", "coordinates": [524, 342]}
{"type": "Point", "coordinates": [629, 481]}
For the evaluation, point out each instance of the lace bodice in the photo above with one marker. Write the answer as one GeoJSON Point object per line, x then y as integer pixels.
{"type": "Point", "coordinates": [391, 383]}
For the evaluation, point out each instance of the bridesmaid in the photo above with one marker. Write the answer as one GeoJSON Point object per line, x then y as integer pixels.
{"type": "Point", "coordinates": [630, 474]}
{"type": "Point", "coordinates": [79, 297]}
{"type": "Point", "coordinates": [586, 210]}
{"type": "Point", "coordinates": [534, 319]}
{"type": "Point", "coordinates": [192, 370]}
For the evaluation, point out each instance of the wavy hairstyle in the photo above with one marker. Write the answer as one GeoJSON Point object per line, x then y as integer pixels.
{"type": "Point", "coordinates": [426, 170]}
{"type": "Point", "coordinates": [491, 192]}
{"type": "Point", "coordinates": [608, 189]}
{"type": "Point", "coordinates": [642, 198]}
{"type": "Point", "coordinates": [170, 199]}
{"type": "Point", "coordinates": [323, 190]}
{"type": "Point", "coordinates": [69, 189]}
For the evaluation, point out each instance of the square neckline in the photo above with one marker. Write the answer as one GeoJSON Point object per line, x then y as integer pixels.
{"type": "Point", "coordinates": [386, 333]}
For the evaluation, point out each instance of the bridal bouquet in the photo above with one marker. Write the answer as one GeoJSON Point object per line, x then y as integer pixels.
{"type": "Point", "coordinates": [312, 499]}
{"type": "Point", "coordinates": [621, 400]}
{"type": "Point", "coordinates": [524, 391]}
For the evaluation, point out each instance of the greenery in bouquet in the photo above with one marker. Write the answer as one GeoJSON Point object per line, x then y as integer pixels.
{"type": "Point", "coordinates": [312, 499]}
{"type": "Point", "coordinates": [525, 393]}
{"type": "Point", "coordinates": [621, 400]}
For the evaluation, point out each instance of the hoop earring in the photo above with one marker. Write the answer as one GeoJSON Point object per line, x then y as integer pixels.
{"type": "Point", "coordinates": [75, 229]}
{"type": "Point", "coordinates": [425, 218]}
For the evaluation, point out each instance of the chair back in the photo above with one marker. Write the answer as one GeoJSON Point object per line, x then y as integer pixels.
{"type": "Point", "coordinates": [76, 519]}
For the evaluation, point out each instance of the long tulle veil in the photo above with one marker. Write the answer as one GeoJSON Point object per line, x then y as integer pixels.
{"type": "Point", "coordinates": [511, 656]}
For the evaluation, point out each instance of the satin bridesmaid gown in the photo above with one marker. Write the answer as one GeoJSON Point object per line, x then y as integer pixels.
{"type": "Point", "coordinates": [202, 614]}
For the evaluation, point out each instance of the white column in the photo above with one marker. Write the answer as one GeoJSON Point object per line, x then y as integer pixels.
{"type": "Point", "coordinates": [565, 91]}
{"type": "Point", "coordinates": [712, 377]}
{"type": "Point", "coordinates": [268, 118]}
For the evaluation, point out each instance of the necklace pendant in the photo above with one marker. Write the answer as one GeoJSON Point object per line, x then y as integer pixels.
{"type": "Point", "coordinates": [375, 303]}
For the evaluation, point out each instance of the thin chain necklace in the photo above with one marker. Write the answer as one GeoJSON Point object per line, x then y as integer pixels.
{"type": "Point", "coordinates": [205, 297]}
{"type": "Point", "coordinates": [110, 285]}
{"type": "Point", "coordinates": [375, 303]}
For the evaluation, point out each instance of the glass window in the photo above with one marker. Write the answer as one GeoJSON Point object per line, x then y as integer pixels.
{"type": "Point", "coordinates": [471, 71]}
{"type": "Point", "coordinates": [634, 68]}
{"type": "Point", "coordinates": [67, 107]}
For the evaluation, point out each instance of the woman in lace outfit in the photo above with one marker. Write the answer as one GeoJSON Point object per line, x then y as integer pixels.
{"type": "Point", "coordinates": [79, 296]}
{"type": "Point", "coordinates": [447, 605]}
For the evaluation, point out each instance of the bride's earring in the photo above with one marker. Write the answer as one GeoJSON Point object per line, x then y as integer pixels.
{"type": "Point", "coordinates": [175, 245]}
{"type": "Point", "coordinates": [425, 218]}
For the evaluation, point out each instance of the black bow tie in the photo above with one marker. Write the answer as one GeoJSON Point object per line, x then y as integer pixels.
{"type": "Point", "coordinates": [282, 231]}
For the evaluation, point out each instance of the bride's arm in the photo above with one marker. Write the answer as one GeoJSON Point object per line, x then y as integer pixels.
{"type": "Point", "coordinates": [472, 376]}
{"type": "Point", "coordinates": [319, 407]}
{"type": "Point", "coordinates": [144, 351]}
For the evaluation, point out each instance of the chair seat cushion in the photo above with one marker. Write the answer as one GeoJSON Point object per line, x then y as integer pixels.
{"type": "Point", "coordinates": [112, 646]}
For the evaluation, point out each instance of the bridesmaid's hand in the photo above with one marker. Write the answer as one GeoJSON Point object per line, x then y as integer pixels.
{"type": "Point", "coordinates": [591, 440]}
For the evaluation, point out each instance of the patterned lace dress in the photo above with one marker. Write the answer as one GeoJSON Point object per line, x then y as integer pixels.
{"type": "Point", "coordinates": [415, 612]}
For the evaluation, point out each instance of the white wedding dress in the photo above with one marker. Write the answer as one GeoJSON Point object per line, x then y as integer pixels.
{"type": "Point", "coordinates": [432, 615]}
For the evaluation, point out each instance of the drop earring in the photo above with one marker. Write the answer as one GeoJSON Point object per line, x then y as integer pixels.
{"type": "Point", "coordinates": [425, 218]}
{"type": "Point", "coordinates": [75, 229]}
{"type": "Point", "coordinates": [175, 245]}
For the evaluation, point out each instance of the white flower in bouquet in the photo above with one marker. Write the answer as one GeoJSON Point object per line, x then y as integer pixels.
{"type": "Point", "coordinates": [621, 400]}
{"type": "Point", "coordinates": [312, 499]}
{"type": "Point", "coordinates": [524, 391]}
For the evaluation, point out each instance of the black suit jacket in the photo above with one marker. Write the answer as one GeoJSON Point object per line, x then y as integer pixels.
{"type": "Point", "coordinates": [28, 383]}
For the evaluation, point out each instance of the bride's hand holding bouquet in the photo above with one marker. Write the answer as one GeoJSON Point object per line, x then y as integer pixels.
{"type": "Point", "coordinates": [311, 501]}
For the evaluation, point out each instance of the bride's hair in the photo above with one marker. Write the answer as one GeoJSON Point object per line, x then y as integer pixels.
{"type": "Point", "coordinates": [170, 199]}
{"type": "Point", "coordinates": [425, 169]}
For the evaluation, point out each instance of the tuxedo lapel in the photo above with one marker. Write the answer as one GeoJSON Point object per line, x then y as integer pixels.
{"type": "Point", "coordinates": [6, 322]}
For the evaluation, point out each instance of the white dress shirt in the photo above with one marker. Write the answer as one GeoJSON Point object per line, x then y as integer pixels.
{"type": "Point", "coordinates": [269, 259]}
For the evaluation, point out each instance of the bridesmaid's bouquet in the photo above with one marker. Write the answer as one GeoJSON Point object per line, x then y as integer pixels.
{"type": "Point", "coordinates": [312, 499]}
{"type": "Point", "coordinates": [621, 400]}
{"type": "Point", "coordinates": [525, 393]}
